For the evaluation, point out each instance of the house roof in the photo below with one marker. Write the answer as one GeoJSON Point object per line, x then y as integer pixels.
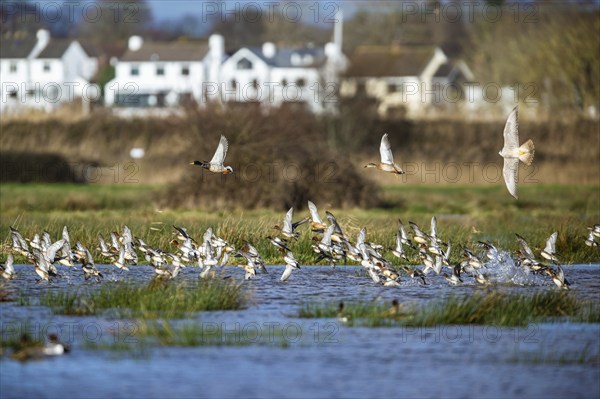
{"type": "Point", "coordinates": [168, 51]}
{"type": "Point", "coordinates": [55, 48]}
{"type": "Point", "coordinates": [387, 61]}
{"type": "Point", "coordinates": [452, 69]}
{"type": "Point", "coordinates": [444, 70]}
{"type": "Point", "coordinates": [306, 57]}
{"type": "Point", "coordinates": [16, 48]}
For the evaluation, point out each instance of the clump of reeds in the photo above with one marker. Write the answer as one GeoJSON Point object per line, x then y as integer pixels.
{"type": "Point", "coordinates": [502, 309]}
{"type": "Point", "coordinates": [168, 300]}
{"type": "Point", "coordinates": [493, 308]}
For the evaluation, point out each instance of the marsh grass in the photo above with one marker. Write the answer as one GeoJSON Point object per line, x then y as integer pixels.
{"type": "Point", "coordinates": [465, 215]}
{"type": "Point", "coordinates": [498, 309]}
{"type": "Point", "coordinates": [168, 299]}
{"type": "Point", "coordinates": [493, 308]}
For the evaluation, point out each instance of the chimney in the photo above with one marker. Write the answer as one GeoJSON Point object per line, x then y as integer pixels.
{"type": "Point", "coordinates": [338, 29]}
{"type": "Point", "coordinates": [135, 43]}
{"type": "Point", "coordinates": [269, 49]}
{"type": "Point", "coordinates": [43, 38]}
{"type": "Point", "coordinates": [216, 45]}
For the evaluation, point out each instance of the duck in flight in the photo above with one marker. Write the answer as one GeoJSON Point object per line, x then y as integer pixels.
{"type": "Point", "coordinates": [387, 158]}
{"type": "Point", "coordinates": [216, 163]}
{"type": "Point", "coordinates": [513, 153]}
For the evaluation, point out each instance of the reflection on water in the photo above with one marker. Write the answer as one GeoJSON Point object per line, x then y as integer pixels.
{"type": "Point", "coordinates": [320, 358]}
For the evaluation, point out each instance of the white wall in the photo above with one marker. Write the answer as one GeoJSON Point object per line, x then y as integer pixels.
{"type": "Point", "coordinates": [148, 82]}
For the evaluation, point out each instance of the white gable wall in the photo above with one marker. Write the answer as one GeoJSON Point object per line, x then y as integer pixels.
{"type": "Point", "coordinates": [244, 78]}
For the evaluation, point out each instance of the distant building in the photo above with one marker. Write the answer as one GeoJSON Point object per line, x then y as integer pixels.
{"type": "Point", "coordinates": [43, 73]}
{"type": "Point", "coordinates": [162, 75]}
{"type": "Point", "coordinates": [166, 75]}
{"type": "Point", "coordinates": [410, 80]}
{"type": "Point", "coordinates": [273, 76]}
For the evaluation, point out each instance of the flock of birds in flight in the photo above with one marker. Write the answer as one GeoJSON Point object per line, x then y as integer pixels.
{"type": "Point", "coordinates": [333, 245]}
{"type": "Point", "coordinates": [511, 152]}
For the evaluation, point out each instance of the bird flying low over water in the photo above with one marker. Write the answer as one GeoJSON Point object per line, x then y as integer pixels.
{"type": "Point", "coordinates": [513, 153]}
{"type": "Point", "coordinates": [387, 158]}
{"type": "Point", "coordinates": [216, 163]}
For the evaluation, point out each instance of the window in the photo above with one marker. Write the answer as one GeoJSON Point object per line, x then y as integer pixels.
{"type": "Point", "coordinates": [160, 70]}
{"type": "Point", "coordinates": [284, 82]}
{"type": "Point", "coordinates": [301, 82]}
{"type": "Point", "coordinates": [244, 63]}
{"type": "Point", "coordinates": [233, 84]}
{"type": "Point", "coordinates": [135, 70]}
{"type": "Point", "coordinates": [46, 66]}
{"type": "Point", "coordinates": [185, 70]}
{"type": "Point", "coordinates": [255, 84]}
{"type": "Point", "coordinates": [13, 67]}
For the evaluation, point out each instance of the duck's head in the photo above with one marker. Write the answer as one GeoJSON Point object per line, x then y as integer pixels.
{"type": "Point", "coordinates": [228, 170]}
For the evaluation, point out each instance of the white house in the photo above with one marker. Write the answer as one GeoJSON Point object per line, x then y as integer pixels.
{"type": "Point", "coordinates": [272, 76]}
{"type": "Point", "coordinates": [413, 79]}
{"type": "Point", "coordinates": [165, 74]}
{"type": "Point", "coordinates": [43, 72]}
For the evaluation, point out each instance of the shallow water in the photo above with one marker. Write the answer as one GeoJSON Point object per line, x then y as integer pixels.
{"type": "Point", "coordinates": [313, 357]}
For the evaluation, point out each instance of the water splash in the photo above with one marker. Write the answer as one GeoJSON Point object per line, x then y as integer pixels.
{"type": "Point", "coordinates": [502, 269]}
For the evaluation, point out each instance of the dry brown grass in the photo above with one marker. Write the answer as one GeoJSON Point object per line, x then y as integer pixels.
{"type": "Point", "coordinates": [268, 151]}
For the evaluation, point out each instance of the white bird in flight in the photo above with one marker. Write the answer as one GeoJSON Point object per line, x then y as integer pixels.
{"type": "Point", "coordinates": [216, 163]}
{"type": "Point", "coordinates": [513, 153]}
{"type": "Point", "coordinates": [387, 158]}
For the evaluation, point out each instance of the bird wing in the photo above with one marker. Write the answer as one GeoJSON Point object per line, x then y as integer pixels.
{"type": "Point", "coordinates": [326, 240]}
{"type": "Point", "coordinates": [287, 272]}
{"type": "Point", "coordinates": [511, 175]}
{"type": "Point", "coordinates": [336, 227]}
{"type": "Point", "coordinates": [127, 236]}
{"type": "Point", "coordinates": [314, 213]}
{"type": "Point", "coordinates": [114, 240]}
{"type": "Point", "coordinates": [20, 238]}
{"type": "Point", "coordinates": [511, 131]}
{"type": "Point", "coordinates": [207, 237]}
{"type": "Point", "coordinates": [122, 255]}
{"type": "Point", "coordinates": [385, 151]}
{"type": "Point", "coordinates": [433, 228]}
{"type": "Point", "coordinates": [399, 241]}
{"type": "Point", "coordinates": [448, 249]}
{"type": "Point", "coordinates": [287, 221]}
{"type": "Point", "coordinates": [252, 250]}
{"type": "Point", "coordinates": [551, 243]}
{"type": "Point", "coordinates": [221, 152]}
{"type": "Point", "coordinates": [52, 249]}
{"type": "Point", "coordinates": [8, 266]}
{"type": "Point", "coordinates": [416, 229]}
{"type": "Point", "coordinates": [65, 235]}
{"type": "Point", "coordinates": [181, 231]}
{"type": "Point", "coordinates": [90, 260]}
{"type": "Point", "coordinates": [525, 247]}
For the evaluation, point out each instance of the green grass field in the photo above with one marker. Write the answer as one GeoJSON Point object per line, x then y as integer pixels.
{"type": "Point", "coordinates": [465, 213]}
